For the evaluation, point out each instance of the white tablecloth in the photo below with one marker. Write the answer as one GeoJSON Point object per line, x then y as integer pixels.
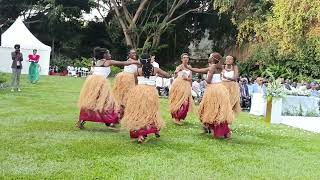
{"type": "Point", "coordinates": [258, 104]}
{"type": "Point", "coordinates": [300, 106]}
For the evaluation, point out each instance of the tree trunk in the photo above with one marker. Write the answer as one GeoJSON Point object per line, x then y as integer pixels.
{"type": "Point", "coordinates": [156, 39]}
{"type": "Point", "coordinates": [128, 38]}
{"type": "Point", "coordinates": [52, 47]}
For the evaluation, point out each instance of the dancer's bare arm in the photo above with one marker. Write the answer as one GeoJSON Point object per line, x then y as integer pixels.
{"type": "Point", "coordinates": [189, 78]}
{"type": "Point", "coordinates": [119, 63]}
{"type": "Point", "coordinates": [212, 70]}
{"type": "Point", "coordinates": [161, 73]}
{"type": "Point", "coordinates": [178, 69]}
{"type": "Point", "coordinates": [198, 70]}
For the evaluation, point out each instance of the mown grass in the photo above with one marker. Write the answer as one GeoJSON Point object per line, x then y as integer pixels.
{"type": "Point", "coordinates": [38, 140]}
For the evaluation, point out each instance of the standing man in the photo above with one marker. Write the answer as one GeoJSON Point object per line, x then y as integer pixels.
{"type": "Point", "coordinates": [244, 91]}
{"type": "Point", "coordinates": [16, 68]}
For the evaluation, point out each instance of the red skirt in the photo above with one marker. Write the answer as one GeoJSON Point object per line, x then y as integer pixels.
{"type": "Point", "coordinates": [220, 130]}
{"type": "Point", "coordinates": [143, 132]}
{"type": "Point", "coordinates": [105, 117]}
{"type": "Point", "coordinates": [181, 114]}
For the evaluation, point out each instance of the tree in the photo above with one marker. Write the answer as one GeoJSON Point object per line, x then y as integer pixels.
{"type": "Point", "coordinates": [143, 22]}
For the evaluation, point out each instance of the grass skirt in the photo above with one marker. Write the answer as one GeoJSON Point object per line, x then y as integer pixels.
{"type": "Point", "coordinates": [124, 82]}
{"type": "Point", "coordinates": [215, 106]}
{"type": "Point", "coordinates": [142, 109]}
{"type": "Point", "coordinates": [234, 91]}
{"type": "Point", "coordinates": [96, 95]}
{"type": "Point", "coordinates": [33, 72]}
{"type": "Point", "coordinates": [179, 95]}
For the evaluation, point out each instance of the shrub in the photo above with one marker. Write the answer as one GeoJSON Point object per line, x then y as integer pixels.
{"type": "Point", "coordinates": [114, 71]}
{"type": "Point", "coordinates": [3, 78]}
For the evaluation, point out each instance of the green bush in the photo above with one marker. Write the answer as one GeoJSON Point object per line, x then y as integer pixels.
{"type": "Point", "coordinates": [83, 62]}
{"type": "Point", "coordinates": [266, 61]}
{"type": "Point", "coordinates": [3, 78]}
{"type": "Point", "coordinates": [62, 62]}
{"type": "Point", "coordinates": [114, 71]}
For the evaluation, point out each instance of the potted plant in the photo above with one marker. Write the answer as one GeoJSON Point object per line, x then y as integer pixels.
{"type": "Point", "coordinates": [274, 94]}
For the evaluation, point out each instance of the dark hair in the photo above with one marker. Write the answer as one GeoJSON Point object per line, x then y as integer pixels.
{"type": "Point", "coordinates": [17, 46]}
{"type": "Point", "coordinates": [216, 56]}
{"type": "Point", "coordinates": [99, 52]}
{"type": "Point", "coordinates": [147, 68]}
{"type": "Point", "coordinates": [184, 54]}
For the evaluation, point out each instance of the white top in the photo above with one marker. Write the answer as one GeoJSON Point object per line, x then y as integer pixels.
{"type": "Point", "coordinates": [155, 64]}
{"type": "Point", "coordinates": [151, 81]}
{"type": "Point", "coordinates": [103, 71]}
{"type": "Point", "coordinates": [131, 68]}
{"type": "Point", "coordinates": [228, 74]}
{"type": "Point", "coordinates": [184, 73]}
{"type": "Point", "coordinates": [216, 78]}
{"type": "Point", "coordinates": [196, 86]}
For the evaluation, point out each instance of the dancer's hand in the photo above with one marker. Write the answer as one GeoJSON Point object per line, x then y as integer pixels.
{"type": "Point", "coordinates": [178, 69]}
{"type": "Point", "coordinates": [188, 66]}
{"type": "Point", "coordinates": [136, 62]}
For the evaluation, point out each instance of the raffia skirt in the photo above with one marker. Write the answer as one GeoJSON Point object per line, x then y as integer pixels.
{"type": "Point", "coordinates": [234, 91]}
{"type": "Point", "coordinates": [142, 112]}
{"type": "Point", "coordinates": [215, 111]}
{"type": "Point", "coordinates": [124, 82]}
{"type": "Point", "coordinates": [96, 102]}
{"type": "Point", "coordinates": [180, 98]}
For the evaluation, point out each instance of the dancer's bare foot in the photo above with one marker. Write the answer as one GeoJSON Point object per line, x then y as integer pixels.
{"type": "Point", "coordinates": [157, 134]}
{"type": "Point", "coordinates": [177, 121]}
{"type": "Point", "coordinates": [228, 136]}
{"type": "Point", "coordinates": [206, 130]}
{"type": "Point", "coordinates": [80, 124]}
{"type": "Point", "coordinates": [111, 126]}
{"type": "Point", "coordinates": [140, 139]}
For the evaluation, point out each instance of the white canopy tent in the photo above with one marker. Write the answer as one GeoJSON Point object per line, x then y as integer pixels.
{"type": "Point", "coordinates": [18, 33]}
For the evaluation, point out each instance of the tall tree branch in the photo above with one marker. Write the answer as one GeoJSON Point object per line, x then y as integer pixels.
{"type": "Point", "coordinates": [127, 14]}
{"type": "Point", "coordinates": [139, 11]}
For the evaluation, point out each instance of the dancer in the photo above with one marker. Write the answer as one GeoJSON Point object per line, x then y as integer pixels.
{"type": "Point", "coordinates": [215, 111]}
{"type": "Point", "coordinates": [230, 75]}
{"type": "Point", "coordinates": [34, 67]}
{"type": "Point", "coordinates": [141, 115]}
{"type": "Point", "coordinates": [125, 81]}
{"type": "Point", "coordinates": [180, 96]}
{"type": "Point", "coordinates": [96, 101]}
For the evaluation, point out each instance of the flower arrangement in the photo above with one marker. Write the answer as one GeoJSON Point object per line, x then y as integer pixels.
{"type": "Point", "coordinates": [298, 92]}
{"type": "Point", "coordinates": [275, 90]}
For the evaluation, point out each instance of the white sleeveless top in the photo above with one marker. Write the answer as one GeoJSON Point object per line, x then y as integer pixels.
{"type": "Point", "coordinates": [131, 68]}
{"type": "Point", "coordinates": [151, 81]}
{"type": "Point", "coordinates": [184, 73]}
{"type": "Point", "coordinates": [103, 71]}
{"type": "Point", "coordinates": [216, 78]}
{"type": "Point", "coordinates": [228, 74]}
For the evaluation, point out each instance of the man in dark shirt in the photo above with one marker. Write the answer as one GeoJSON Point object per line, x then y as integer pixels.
{"type": "Point", "coordinates": [245, 96]}
{"type": "Point", "coordinates": [16, 67]}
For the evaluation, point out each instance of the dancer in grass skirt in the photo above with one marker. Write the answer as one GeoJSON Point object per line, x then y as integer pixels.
{"type": "Point", "coordinates": [142, 112]}
{"type": "Point", "coordinates": [96, 100]}
{"type": "Point", "coordinates": [215, 111]}
{"type": "Point", "coordinates": [180, 96]}
{"type": "Point", "coordinates": [125, 81]}
{"type": "Point", "coordinates": [230, 75]}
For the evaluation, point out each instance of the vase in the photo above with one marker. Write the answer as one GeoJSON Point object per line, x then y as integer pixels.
{"type": "Point", "coordinates": [273, 110]}
{"type": "Point", "coordinates": [268, 110]}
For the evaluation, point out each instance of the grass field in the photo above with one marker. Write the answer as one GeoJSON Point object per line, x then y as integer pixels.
{"type": "Point", "coordinates": [38, 140]}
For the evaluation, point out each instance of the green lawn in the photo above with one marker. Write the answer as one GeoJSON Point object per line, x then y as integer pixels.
{"type": "Point", "coordinates": [38, 139]}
